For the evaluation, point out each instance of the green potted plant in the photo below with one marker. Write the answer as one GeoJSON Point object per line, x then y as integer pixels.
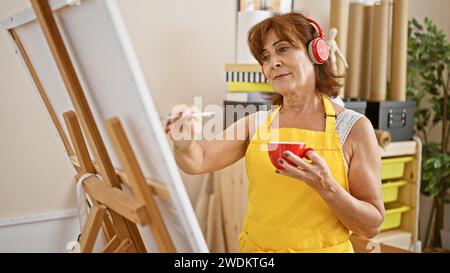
{"type": "Point", "coordinates": [429, 86]}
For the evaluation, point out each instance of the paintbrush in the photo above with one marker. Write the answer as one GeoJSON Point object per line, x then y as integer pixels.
{"type": "Point", "coordinates": [203, 114]}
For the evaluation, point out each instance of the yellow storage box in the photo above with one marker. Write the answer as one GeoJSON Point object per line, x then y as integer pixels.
{"type": "Point", "coordinates": [394, 168]}
{"type": "Point", "coordinates": [393, 215]}
{"type": "Point", "coordinates": [390, 190]}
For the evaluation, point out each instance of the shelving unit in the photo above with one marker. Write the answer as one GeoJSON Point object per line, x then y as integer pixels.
{"type": "Point", "coordinates": [406, 235]}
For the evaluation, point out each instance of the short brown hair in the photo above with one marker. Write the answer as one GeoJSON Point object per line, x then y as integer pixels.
{"type": "Point", "coordinates": [294, 28]}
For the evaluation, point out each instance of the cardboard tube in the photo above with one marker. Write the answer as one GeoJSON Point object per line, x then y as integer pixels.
{"type": "Point", "coordinates": [399, 50]}
{"type": "Point", "coordinates": [367, 52]}
{"type": "Point", "coordinates": [355, 50]}
{"type": "Point", "coordinates": [339, 20]}
{"type": "Point", "coordinates": [379, 51]}
{"type": "Point", "coordinates": [384, 138]}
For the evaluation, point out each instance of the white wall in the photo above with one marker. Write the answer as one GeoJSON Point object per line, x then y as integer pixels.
{"type": "Point", "coordinates": [319, 10]}
{"type": "Point", "coordinates": [39, 233]}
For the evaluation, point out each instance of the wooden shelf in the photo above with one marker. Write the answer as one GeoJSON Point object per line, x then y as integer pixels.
{"type": "Point", "coordinates": [397, 237]}
{"type": "Point", "coordinates": [406, 236]}
{"type": "Point", "coordinates": [399, 149]}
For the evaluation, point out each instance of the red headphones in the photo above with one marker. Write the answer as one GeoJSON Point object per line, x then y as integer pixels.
{"type": "Point", "coordinates": [318, 48]}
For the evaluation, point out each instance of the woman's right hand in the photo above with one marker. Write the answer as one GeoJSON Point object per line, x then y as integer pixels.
{"type": "Point", "coordinates": [183, 129]}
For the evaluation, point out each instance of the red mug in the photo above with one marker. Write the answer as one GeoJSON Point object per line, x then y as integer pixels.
{"type": "Point", "coordinates": [276, 150]}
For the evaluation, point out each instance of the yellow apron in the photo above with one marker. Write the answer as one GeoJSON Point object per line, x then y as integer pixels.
{"type": "Point", "coordinates": [285, 214]}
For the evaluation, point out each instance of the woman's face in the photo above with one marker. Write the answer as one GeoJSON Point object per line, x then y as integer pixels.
{"type": "Point", "coordinates": [286, 67]}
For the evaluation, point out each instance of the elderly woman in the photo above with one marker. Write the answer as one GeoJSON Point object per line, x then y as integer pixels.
{"type": "Point", "coordinates": [309, 205]}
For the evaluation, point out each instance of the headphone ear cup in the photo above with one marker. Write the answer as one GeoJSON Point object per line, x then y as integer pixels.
{"type": "Point", "coordinates": [312, 47]}
{"type": "Point", "coordinates": [318, 51]}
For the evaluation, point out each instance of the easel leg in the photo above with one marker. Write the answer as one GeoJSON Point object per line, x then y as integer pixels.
{"type": "Point", "coordinates": [137, 181]}
{"type": "Point", "coordinates": [84, 158]}
{"type": "Point", "coordinates": [91, 229]}
{"type": "Point", "coordinates": [86, 164]}
{"type": "Point", "coordinates": [108, 229]}
{"type": "Point", "coordinates": [81, 150]}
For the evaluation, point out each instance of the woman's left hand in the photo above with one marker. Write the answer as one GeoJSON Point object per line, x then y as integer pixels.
{"type": "Point", "coordinates": [316, 174]}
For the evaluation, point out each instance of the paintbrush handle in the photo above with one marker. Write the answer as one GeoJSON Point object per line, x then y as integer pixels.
{"type": "Point", "coordinates": [203, 114]}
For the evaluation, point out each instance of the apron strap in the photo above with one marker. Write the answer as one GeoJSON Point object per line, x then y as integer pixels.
{"type": "Point", "coordinates": [272, 116]}
{"type": "Point", "coordinates": [330, 115]}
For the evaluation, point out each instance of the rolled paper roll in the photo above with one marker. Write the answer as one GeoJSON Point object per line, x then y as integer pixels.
{"type": "Point", "coordinates": [367, 47]}
{"type": "Point", "coordinates": [384, 138]}
{"type": "Point", "coordinates": [355, 50]}
{"type": "Point", "coordinates": [399, 54]}
{"type": "Point", "coordinates": [380, 40]}
{"type": "Point", "coordinates": [339, 20]}
{"type": "Point", "coordinates": [339, 10]}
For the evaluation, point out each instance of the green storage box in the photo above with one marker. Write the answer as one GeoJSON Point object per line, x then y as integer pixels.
{"type": "Point", "coordinates": [394, 168]}
{"type": "Point", "coordinates": [390, 190]}
{"type": "Point", "coordinates": [393, 215]}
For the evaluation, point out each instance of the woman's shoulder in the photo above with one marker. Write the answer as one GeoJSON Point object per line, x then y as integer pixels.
{"type": "Point", "coordinates": [351, 125]}
{"type": "Point", "coordinates": [363, 124]}
{"type": "Point", "coordinates": [362, 133]}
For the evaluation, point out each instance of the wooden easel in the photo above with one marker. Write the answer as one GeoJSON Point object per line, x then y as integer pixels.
{"type": "Point", "coordinates": [114, 210]}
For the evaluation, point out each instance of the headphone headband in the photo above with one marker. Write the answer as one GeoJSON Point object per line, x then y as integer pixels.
{"type": "Point", "coordinates": [319, 29]}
